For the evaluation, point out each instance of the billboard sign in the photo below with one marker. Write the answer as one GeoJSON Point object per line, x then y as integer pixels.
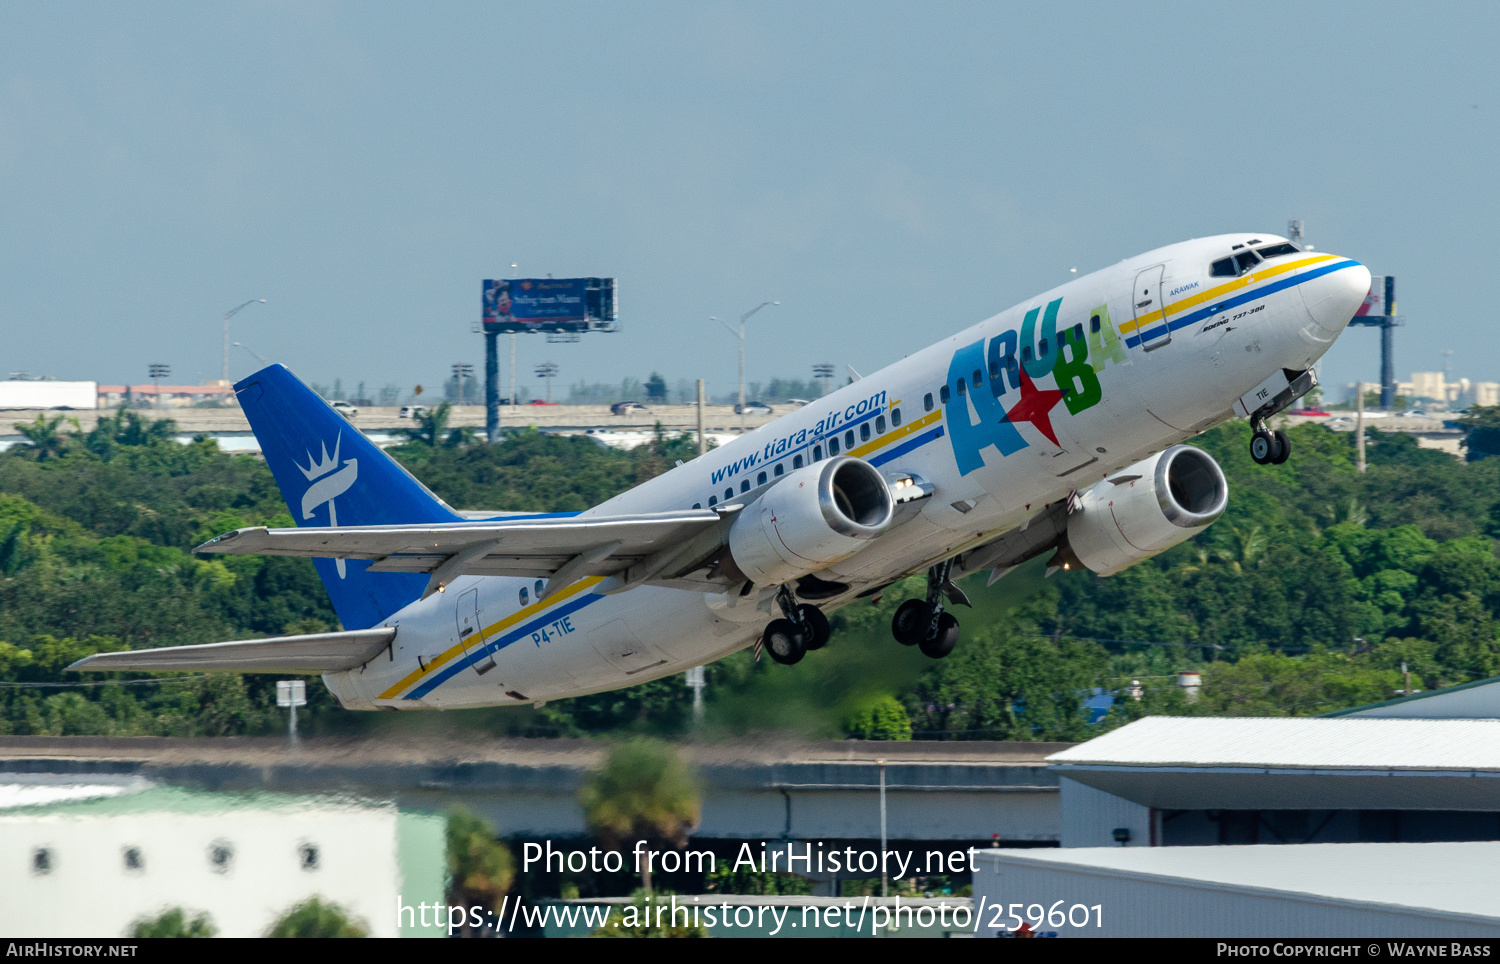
{"type": "Point", "coordinates": [549, 305]}
{"type": "Point", "coordinates": [1374, 301]}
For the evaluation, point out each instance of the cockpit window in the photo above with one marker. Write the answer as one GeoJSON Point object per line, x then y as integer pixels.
{"type": "Point", "coordinates": [1278, 250]}
{"type": "Point", "coordinates": [1246, 260]}
{"type": "Point", "coordinates": [1224, 268]}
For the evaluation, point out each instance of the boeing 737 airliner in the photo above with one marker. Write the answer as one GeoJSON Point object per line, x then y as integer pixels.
{"type": "Point", "coordinates": [1053, 427]}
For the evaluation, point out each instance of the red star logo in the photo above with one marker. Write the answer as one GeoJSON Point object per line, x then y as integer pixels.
{"type": "Point", "coordinates": [1034, 406]}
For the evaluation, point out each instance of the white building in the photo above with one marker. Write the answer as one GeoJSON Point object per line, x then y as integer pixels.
{"type": "Point", "coordinates": [1479, 700]}
{"type": "Point", "coordinates": [1187, 781]}
{"type": "Point", "coordinates": [89, 860]}
{"type": "Point", "coordinates": [1434, 387]}
{"type": "Point", "coordinates": [1443, 890]}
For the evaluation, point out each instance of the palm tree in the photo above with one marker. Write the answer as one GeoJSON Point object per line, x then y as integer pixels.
{"type": "Point", "coordinates": [314, 918]}
{"type": "Point", "coordinates": [174, 923]}
{"type": "Point", "coordinates": [480, 868]}
{"type": "Point", "coordinates": [430, 425]}
{"type": "Point", "coordinates": [47, 442]}
{"type": "Point", "coordinates": [644, 792]}
{"type": "Point", "coordinates": [1246, 547]}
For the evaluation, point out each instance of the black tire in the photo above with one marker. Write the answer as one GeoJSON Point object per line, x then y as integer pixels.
{"type": "Point", "coordinates": [912, 621]}
{"type": "Point", "coordinates": [817, 629]}
{"type": "Point", "coordinates": [942, 643]}
{"type": "Point", "coordinates": [783, 640]}
{"type": "Point", "coordinates": [1283, 448]}
{"type": "Point", "coordinates": [1262, 447]}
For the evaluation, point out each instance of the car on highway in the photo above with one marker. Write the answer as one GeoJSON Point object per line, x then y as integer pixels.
{"type": "Point", "coordinates": [412, 411]}
{"type": "Point", "coordinates": [344, 408]}
{"type": "Point", "coordinates": [753, 408]}
{"type": "Point", "coordinates": [1309, 412]}
{"type": "Point", "coordinates": [625, 408]}
{"type": "Point", "coordinates": [538, 401]}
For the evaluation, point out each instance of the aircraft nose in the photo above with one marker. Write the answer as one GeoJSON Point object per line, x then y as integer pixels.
{"type": "Point", "coordinates": [1333, 298]}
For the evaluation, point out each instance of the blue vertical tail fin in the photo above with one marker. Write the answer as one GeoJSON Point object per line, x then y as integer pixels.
{"type": "Point", "coordinates": [331, 475]}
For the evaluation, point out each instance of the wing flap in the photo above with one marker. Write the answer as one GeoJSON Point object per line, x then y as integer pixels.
{"type": "Point", "coordinates": [312, 653]}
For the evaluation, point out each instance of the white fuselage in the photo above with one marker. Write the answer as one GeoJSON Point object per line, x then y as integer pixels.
{"type": "Point", "coordinates": [1170, 349]}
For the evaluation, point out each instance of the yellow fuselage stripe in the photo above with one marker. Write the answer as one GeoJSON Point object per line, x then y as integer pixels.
{"type": "Point", "coordinates": [894, 435]}
{"type": "Point", "coordinates": [1213, 294]}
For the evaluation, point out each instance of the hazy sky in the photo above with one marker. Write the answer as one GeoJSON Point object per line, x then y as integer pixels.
{"type": "Point", "coordinates": [890, 172]}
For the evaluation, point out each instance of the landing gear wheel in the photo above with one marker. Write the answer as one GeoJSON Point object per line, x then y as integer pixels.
{"type": "Point", "coordinates": [911, 622]}
{"type": "Point", "coordinates": [815, 629]}
{"type": "Point", "coordinates": [1283, 447]}
{"type": "Point", "coordinates": [783, 640]}
{"type": "Point", "coordinates": [941, 643]}
{"type": "Point", "coordinates": [1262, 447]}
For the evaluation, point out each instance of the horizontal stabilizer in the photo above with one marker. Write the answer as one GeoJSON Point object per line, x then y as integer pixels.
{"type": "Point", "coordinates": [313, 653]}
{"type": "Point", "coordinates": [533, 547]}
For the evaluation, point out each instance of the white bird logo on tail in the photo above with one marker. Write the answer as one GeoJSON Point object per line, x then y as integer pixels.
{"type": "Point", "coordinates": [326, 487]}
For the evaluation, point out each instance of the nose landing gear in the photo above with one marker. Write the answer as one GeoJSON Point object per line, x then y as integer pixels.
{"type": "Point", "coordinates": [803, 629]}
{"type": "Point", "coordinates": [923, 623]}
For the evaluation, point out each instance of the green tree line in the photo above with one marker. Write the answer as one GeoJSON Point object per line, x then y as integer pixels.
{"type": "Point", "coordinates": [1310, 593]}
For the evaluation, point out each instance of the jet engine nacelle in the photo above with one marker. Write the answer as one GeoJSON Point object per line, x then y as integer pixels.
{"type": "Point", "coordinates": [816, 516]}
{"type": "Point", "coordinates": [1146, 509]}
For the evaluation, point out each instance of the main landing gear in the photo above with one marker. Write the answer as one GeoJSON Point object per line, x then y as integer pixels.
{"type": "Point", "coordinates": [804, 628]}
{"type": "Point", "coordinates": [923, 623]}
{"type": "Point", "coordinates": [1269, 448]}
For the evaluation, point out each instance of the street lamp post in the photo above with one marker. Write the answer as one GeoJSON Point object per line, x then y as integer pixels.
{"type": "Point", "coordinates": [263, 358]}
{"type": "Point", "coordinates": [228, 315]}
{"type": "Point", "coordinates": [740, 334]}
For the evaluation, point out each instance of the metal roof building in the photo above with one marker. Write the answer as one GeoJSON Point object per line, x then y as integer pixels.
{"type": "Point", "coordinates": [1321, 890]}
{"type": "Point", "coordinates": [1479, 700]}
{"type": "Point", "coordinates": [1174, 781]}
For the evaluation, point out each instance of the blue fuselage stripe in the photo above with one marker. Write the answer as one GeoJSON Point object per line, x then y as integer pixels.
{"type": "Point", "coordinates": [498, 643]}
{"type": "Point", "coordinates": [1254, 294]}
{"type": "Point", "coordinates": [910, 445]}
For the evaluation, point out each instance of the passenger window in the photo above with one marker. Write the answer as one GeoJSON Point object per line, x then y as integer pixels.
{"type": "Point", "coordinates": [833, 445]}
{"type": "Point", "coordinates": [796, 461]}
{"type": "Point", "coordinates": [1223, 268]}
{"type": "Point", "coordinates": [539, 586]}
{"type": "Point", "coordinates": [817, 453]}
{"type": "Point", "coordinates": [713, 500]}
{"type": "Point", "coordinates": [864, 432]}
{"type": "Point", "coordinates": [943, 394]}
{"type": "Point", "coordinates": [1246, 260]}
{"type": "Point", "coordinates": [1094, 324]}
{"type": "Point", "coordinates": [880, 425]}
{"type": "Point", "coordinates": [745, 486]}
{"type": "Point", "coordinates": [1026, 354]}
{"type": "Point", "coordinates": [849, 439]}
{"type": "Point", "coordinates": [1041, 348]}
{"type": "Point", "coordinates": [962, 387]}
{"type": "Point", "coordinates": [525, 596]}
{"type": "Point", "coordinates": [1278, 250]}
{"type": "Point", "coordinates": [728, 494]}
{"type": "Point", "coordinates": [927, 402]}
{"type": "Point", "coordinates": [977, 377]}
{"type": "Point", "coordinates": [778, 471]}
{"type": "Point", "coordinates": [1078, 333]}
{"type": "Point", "coordinates": [895, 417]}
{"type": "Point", "coordinates": [760, 479]}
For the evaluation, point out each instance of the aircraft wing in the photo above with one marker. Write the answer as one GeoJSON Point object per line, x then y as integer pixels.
{"type": "Point", "coordinates": [561, 549]}
{"type": "Point", "coordinates": [314, 653]}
